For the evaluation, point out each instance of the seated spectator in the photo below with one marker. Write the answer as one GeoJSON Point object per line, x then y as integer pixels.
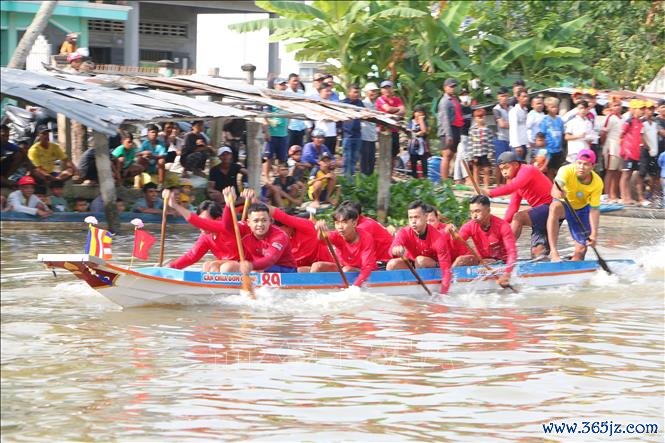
{"type": "Point", "coordinates": [187, 194]}
{"type": "Point", "coordinates": [312, 151]}
{"type": "Point", "coordinates": [69, 45]}
{"type": "Point", "coordinates": [322, 182]}
{"type": "Point", "coordinates": [224, 174]}
{"type": "Point", "coordinates": [195, 151]}
{"type": "Point", "coordinates": [125, 156]}
{"type": "Point", "coordinates": [57, 201]}
{"type": "Point", "coordinates": [152, 155]}
{"type": "Point", "coordinates": [24, 200]}
{"type": "Point", "coordinates": [297, 168]}
{"type": "Point", "coordinates": [284, 191]}
{"type": "Point", "coordinates": [13, 157]}
{"type": "Point", "coordinates": [44, 154]}
{"type": "Point", "coordinates": [151, 203]}
{"type": "Point", "coordinates": [97, 205]}
{"type": "Point", "coordinates": [81, 205]}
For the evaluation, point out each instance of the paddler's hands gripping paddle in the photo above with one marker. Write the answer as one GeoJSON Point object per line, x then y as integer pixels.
{"type": "Point", "coordinates": [246, 279]}
{"type": "Point", "coordinates": [324, 234]}
{"type": "Point", "coordinates": [601, 261]}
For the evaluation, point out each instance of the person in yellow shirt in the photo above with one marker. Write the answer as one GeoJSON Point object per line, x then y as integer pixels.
{"type": "Point", "coordinates": [582, 187]}
{"type": "Point", "coordinates": [69, 45]}
{"type": "Point", "coordinates": [44, 154]}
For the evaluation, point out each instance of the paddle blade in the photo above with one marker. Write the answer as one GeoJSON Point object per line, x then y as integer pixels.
{"type": "Point", "coordinates": [602, 262]}
{"type": "Point", "coordinates": [247, 285]}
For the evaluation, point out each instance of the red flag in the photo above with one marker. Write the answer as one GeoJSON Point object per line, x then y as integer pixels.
{"type": "Point", "coordinates": [143, 241]}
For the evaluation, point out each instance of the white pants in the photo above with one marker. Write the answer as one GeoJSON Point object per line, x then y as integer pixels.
{"type": "Point", "coordinates": [459, 173]}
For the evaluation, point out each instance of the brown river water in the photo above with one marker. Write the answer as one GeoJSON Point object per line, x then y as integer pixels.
{"type": "Point", "coordinates": [342, 366]}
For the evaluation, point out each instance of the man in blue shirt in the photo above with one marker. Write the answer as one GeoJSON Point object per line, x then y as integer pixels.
{"type": "Point", "coordinates": [352, 141]}
{"type": "Point", "coordinates": [152, 155]}
{"type": "Point", "coordinates": [312, 151]}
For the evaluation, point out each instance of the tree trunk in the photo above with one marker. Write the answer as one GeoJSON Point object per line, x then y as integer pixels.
{"type": "Point", "coordinates": [254, 149]}
{"type": "Point", "coordinates": [106, 182]}
{"type": "Point", "coordinates": [37, 26]}
{"type": "Point", "coordinates": [384, 168]}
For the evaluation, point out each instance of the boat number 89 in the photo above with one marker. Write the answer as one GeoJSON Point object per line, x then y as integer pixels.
{"type": "Point", "coordinates": [271, 279]}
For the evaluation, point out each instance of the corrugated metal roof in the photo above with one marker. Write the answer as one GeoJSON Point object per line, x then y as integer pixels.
{"type": "Point", "coordinates": [103, 108]}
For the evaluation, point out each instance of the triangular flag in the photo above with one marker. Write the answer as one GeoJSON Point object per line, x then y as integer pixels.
{"type": "Point", "coordinates": [143, 241]}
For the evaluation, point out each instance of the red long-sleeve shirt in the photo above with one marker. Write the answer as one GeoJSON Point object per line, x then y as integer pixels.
{"type": "Point", "coordinates": [359, 254]}
{"type": "Point", "coordinates": [305, 245]}
{"type": "Point", "coordinates": [498, 242]}
{"type": "Point", "coordinates": [459, 248]}
{"type": "Point", "coordinates": [435, 244]}
{"type": "Point", "coordinates": [381, 236]}
{"type": "Point", "coordinates": [223, 250]}
{"type": "Point", "coordinates": [529, 183]}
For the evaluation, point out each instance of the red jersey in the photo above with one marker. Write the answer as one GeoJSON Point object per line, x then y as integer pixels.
{"type": "Point", "coordinates": [273, 249]}
{"type": "Point", "coordinates": [433, 244]}
{"type": "Point", "coordinates": [498, 242]}
{"type": "Point", "coordinates": [393, 101]}
{"type": "Point", "coordinates": [305, 245]}
{"type": "Point", "coordinates": [204, 244]}
{"type": "Point", "coordinates": [631, 139]}
{"type": "Point", "coordinates": [381, 236]}
{"type": "Point", "coordinates": [529, 183]}
{"type": "Point", "coordinates": [459, 247]}
{"type": "Point", "coordinates": [359, 254]}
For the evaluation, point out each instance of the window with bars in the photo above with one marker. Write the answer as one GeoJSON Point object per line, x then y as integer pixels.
{"type": "Point", "coordinates": [145, 28]}
{"type": "Point", "coordinates": [106, 25]}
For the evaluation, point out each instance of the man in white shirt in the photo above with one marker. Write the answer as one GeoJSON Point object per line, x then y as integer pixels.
{"type": "Point", "coordinates": [579, 132]}
{"type": "Point", "coordinates": [517, 125]}
{"type": "Point", "coordinates": [24, 200]}
{"type": "Point", "coordinates": [649, 150]}
{"type": "Point", "coordinates": [533, 119]}
{"type": "Point", "coordinates": [368, 132]}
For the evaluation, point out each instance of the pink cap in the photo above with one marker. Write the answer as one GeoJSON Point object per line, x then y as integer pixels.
{"type": "Point", "coordinates": [587, 155]}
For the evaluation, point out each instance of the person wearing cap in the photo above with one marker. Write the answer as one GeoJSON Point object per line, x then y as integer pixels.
{"type": "Point", "coordinates": [392, 104]}
{"type": "Point", "coordinates": [187, 196]}
{"type": "Point", "coordinates": [629, 151]}
{"type": "Point", "coordinates": [368, 133]}
{"type": "Point", "coordinates": [75, 61]}
{"type": "Point", "coordinates": [44, 154]}
{"type": "Point", "coordinates": [583, 188]}
{"type": "Point", "coordinates": [69, 44]}
{"type": "Point", "coordinates": [579, 132]}
{"type": "Point", "coordinates": [517, 129]}
{"type": "Point", "coordinates": [312, 151]}
{"type": "Point", "coordinates": [224, 174]}
{"type": "Point", "coordinates": [351, 141]}
{"type": "Point", "coordinates": [24, 199]}
{"type": "Point", "coordinates": [529, 183]}
{"type": "Point", "coordinates": [451, 121]}
{"type": "Point", "coordinates": [297, 168]}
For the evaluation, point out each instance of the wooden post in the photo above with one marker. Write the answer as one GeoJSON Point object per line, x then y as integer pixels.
{"type": "Point", "coordinates": [106, 182]}
{"type": "Point", "coordinates": [79, 141]}
{"type": "Point", "coordinates": [65, 135]}
{"type": "Point", "coordinates": [384, 169]}
{"type": "Point", "coordinates": [255, 143]}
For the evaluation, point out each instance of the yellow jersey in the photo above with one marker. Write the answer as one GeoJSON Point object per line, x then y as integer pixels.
{"type": "Point", "coordinates": [580, 194]}
{"type": "Point", "coordinates": [46, 157]}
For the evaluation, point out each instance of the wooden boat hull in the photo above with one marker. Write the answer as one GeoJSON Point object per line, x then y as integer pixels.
{"type": "Point", "coordinates": [154, 285]}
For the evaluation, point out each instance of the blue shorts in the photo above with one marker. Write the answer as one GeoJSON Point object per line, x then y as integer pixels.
{"type": "Point", "coordinates": [280, 269]}
{"type": "Point", "coordinates": [579, 233]}
{"type": "Point", "coordinates": [500, 146]}
{"type": "Point", "coordinates": [538, 216]}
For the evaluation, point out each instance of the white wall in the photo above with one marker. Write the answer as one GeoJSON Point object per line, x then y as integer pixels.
{"type": "Point", "coordinates": [219, 47]}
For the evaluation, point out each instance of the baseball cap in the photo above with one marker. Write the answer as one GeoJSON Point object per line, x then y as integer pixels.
{"type": "Point", "coordinates": [186, 182]}
{"type": "Point", "coordinates": [295, 148]}
{"type": "Point", "coordinates": [507, 157]}
{"type": "Point", "coordinates": [26, 180]}
{"type": "Point", "coordinates": [223, 150]}
{"type": "Point", "coordinates": [586, 154]}
{"type": "Point", "coordinates": [280, 80]}
{"type": "Point", "coordinates": [502, 90]}
{"type": "Point", "coordinates": [371, 86]}
{"type": "Point", "coordinates": [325, 155]}
{"type": "Point", "coordinates": [318, 133]}
{"type": "Point", "coordinates": [635, 104]}
{"type": "Point", "coordinates": [43, 129]}
{"type": "Point", "coordinates": [74, 56]}
{"type": "Point", "coordinates": [661, 102]}
{"type": "Point", "coordinates": [450, 82]}
{"type": "Point", "coordinates": [73, 35]}
{"type": "Point", "coordinates": [387, 84]}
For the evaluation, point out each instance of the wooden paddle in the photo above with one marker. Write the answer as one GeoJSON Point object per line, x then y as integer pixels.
{"type": "Point", "coordinates": [246, 279]}
{"type": "Point", "coordinates": [415, 274]}
{"type": "Point", "coordinates": [244, 210]}
{"type": "Point", "coordinates": [473, 180]}
{"type": "Point", "coordinates": [324, 234]}
{"type": "Point", "coordinates": [165, 201]}
{"type": "Point", "coordinates": [601, 261]}
{"type": "Point", "coordinates": [456, 236]}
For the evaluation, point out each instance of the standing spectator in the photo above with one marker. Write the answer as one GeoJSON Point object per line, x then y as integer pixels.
{"type": "Point", "coordinates": [368, 132]}
{"type": "Point", "coordinates": [551, 126]}
{"type": "Point", "coordinates": [327, 127]}
{"type": "Point", "coordinates": [533, 120]}
{"type": "Point", "coordinates": [649, 151]}
{"type": "Point", "coordinates": [579, 132]}
{"type": "Point", "coordinates": [631, 139]}
{"type": "Point", "coordinates": [24, 200]}
{"type": "Point", "coordinates": [276, 130]}
{"type": "Point", "coordinates": [392, 104]}
{"type": "Point", "coordinates": [576, 98]}
{"type": "Point", "coordinates": [297, 128]}
{"type": "Point", "coordinates": [517, 86]}
{"type": "Point", "coordinates": [501, 141]}
{"type": "Point", "coordinates": [459, 172]}
{"type": "Point", "coordinates": [450, 121]}
{"type": "Point", "coordinates": [418, 149]}
{"type": "Point", "coordinates": [351, 140]}
{"type": "Point", "coordinates": [235, 136]}
{"type": "Point", "coordinates": [517, 126]}
{"type": "Point", "coordinates": [44, 155]}
{"type": "Point", "coordinates": [660, 121]}
{"type": "Point", "coordinates": [610, 133]}
{"type": "Point", "coordinates": [481, 147]}
{"type": "Point", "coordinates": [195, 151]}
{"type": "Point", "coordinates": [69, 45]}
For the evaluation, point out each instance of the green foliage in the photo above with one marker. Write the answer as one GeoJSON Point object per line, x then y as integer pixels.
{"type": "Point", "coordinates": [363, 189]}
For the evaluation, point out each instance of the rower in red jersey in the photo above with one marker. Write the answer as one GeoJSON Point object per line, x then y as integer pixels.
{"type": "Point", "coordinates": [221, 245]}
{"type": "Point", "coordinates": [492, 237]}
{"type": "Point", "coordinates": [382, 237]}
{"type": "Point", "coordinates": [354, 248]}
{"type": "Point", "coordinates": [424, 245]}
{"type": "Point", "coordinates": [459, 248]}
